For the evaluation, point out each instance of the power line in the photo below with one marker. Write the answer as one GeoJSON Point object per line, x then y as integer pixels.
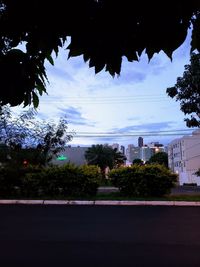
{"type": "Point", "coordinates": [124, 135]}
{"type": "Point", "coordinates": [138, 132]}
{"type": "Point", "coordinates": [112, 97]}
{"type": "Point", "coordinates": [109, 99]}
{"type": "Point", "coordinates": [128, 101]}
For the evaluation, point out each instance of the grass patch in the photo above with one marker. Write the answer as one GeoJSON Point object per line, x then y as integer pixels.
{"type": "Point", "coordinates": [115, 196]}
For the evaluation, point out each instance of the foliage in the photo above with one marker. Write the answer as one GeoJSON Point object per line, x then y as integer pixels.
{"type": "Point", "coordinates": [14, 129]}
{"type": "Point", "coordinates": [137, 161]}
{"type": "Point", "coordinates": [11, 178]}
{"type": "Point", "coordinates": [119, 158]}
{"type": "Point", "coordinates": [187, 91]}
{"type": "Point", "coordinates": [3, 153]}
{"type": "Point", "coordinates": [92, 179]}
{"type": "Point", "coordinates": [198, 172]}
{"type": "Point", "coordinates": [108, 30]}
{"type": "Point", "coordinates": [143, 181]}
{"type": "Point", "coordinates": [160, 158]}
{"type": "Point", "coordinates": [31, 139]}
{"type": "Point", "coordinates": [50, 138]}
{"type": "Point", "coordinates": [65, 181]}
{"type": "Point", "coordinates": [104, 156]}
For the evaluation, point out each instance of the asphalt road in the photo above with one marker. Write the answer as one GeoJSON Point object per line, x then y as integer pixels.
{"type": "Point", "coordinates": [33, 235]}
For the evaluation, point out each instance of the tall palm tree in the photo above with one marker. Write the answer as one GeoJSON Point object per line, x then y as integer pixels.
{"type": "Point", "coordinates": [104, 156]}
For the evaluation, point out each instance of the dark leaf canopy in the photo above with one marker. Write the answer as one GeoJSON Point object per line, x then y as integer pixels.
{"type": "Point", "coordinates": [160, 158]}
{"type": "Point", "coordinates": [103, 31]}
{"type": "Point", "coordinates": [104, 156]}
{"type": "Point", "coordinates": [187, 91]}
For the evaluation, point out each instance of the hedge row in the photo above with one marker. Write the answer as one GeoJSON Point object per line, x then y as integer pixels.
{"type": "Point", "coordinates": [143, 181]}
{"type": "Point", "coordinates": [65, 181]}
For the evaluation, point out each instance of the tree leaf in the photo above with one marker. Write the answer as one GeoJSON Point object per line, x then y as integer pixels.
{"type": "Point", "coordinates": [172, 91]}
{"type": "Point", "coordinates": [50, 59]}
{"type": "Point", "coordinates": [35, 99]}
{"type": "Point", "coordinates": [168, 52]}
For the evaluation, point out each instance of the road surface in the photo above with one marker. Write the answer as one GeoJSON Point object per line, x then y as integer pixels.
{"type": "Point", "coordinates": [58, 235]}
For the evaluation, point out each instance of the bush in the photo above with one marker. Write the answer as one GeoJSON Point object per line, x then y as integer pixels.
{"type": "Point", "coordinates": [143, 181]}
{"type": "Point", "coordinates": [9, 181]}
{"type": "Point", "coordinates": [65, 181]}
{"type": "Point", "coordinates": [12, 179]}
{"type": "Point", "coordinates": [92, 178]}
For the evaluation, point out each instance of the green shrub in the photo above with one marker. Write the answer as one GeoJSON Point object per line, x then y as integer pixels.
{"type": "Point", "coordinates": [143, 181]}
{"type": "Point", "coordinates": [8, 182]}
{"type": "Point", "coordinates": [12, 179]}
{"type": "Point", "coordinates": [92, 178]}
{"type": "Point", "coordinates": [64, 181]}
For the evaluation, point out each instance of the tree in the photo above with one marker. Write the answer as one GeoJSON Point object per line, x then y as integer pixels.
{"type": "Point", "coordinates": [104, 156]}
{"type": "Point", "coordinates": [14, 129]}
{"type": "Point", "coordinates": [160, 158]}
{"type": "Point", "coordinates": [50, 138]}
{"type": "Point", "coordinates": [187, 91]}
{"type": "Point", "coordinates": [198, 172]}
{"type": "Point", "coordinates": [138, 161]}
{"type": "Point", "coordinates": [119, 158]}
{"type": "Point", "coordinates": [102, 31]}
{"type": "Point", "coordinates": [26, 136]}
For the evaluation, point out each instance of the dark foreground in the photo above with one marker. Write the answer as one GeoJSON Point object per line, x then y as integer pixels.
{"type": "Point", "coordinates": [99, 236]}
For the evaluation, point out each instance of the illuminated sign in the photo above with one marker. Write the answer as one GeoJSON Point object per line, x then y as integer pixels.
{"type": "Point", "coordinates": [62, 157]}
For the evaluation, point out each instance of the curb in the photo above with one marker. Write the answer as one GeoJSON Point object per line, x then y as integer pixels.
{"type": "Point", "coordinates": [100, 202]}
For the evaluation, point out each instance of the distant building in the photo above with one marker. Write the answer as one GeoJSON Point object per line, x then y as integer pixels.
{"type": "Point", "coordinates": [132, 153]}
{"type": "Point", "coordinates": [136, 153]}
{"type": "Point", "coordinates": [129, 152]}
{"type": "Point", "coordinates": [146, 153]}
{"type": "Point", "coordinates": [184, 158]}
{"type": "Point", "coordinates": [75, 155]}
{"type": "Point", "coordinates": [122, 150]}
{"type": "Point", "coordinates": [140, 142]}
{"type": "Point", "coordinates": [115, 146]}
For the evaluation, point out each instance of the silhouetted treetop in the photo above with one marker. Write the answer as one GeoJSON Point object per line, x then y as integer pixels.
{"type": "Point", "coordinates": [187, 91]}
{"type": "Point", "coordinates": [103, 31]}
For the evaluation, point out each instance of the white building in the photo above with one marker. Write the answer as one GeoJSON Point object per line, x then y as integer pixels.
{"type": "Point", "coordinates": [184, 158]}
{"type": "Point", "coordinates": [146, 153]}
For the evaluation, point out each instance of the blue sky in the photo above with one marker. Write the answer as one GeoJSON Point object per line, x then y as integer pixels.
{"type": "Point", "coordinates": [125, 107]}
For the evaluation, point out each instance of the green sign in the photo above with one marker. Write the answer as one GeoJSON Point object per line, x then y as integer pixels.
{"type": "Point", "coordinates": [62, 157]}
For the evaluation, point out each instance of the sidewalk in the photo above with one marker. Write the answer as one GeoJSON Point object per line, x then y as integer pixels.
{"type": "Point", "coordinates": [100, 202]}
{"type": "Point", "coordinates": [178, 191]}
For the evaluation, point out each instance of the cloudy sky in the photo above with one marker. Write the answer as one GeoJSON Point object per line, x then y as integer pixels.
{"type": "Point", "coordinates": [103, 109]}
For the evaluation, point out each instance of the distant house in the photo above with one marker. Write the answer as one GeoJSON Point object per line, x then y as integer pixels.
{"type": "Point", "coordinates": [75, 155]}
{"type": "Point", "coordinates": [184, 158]}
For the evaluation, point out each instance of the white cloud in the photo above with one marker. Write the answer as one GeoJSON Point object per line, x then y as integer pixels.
{"type": "Point", "coordinates": [101, 103]}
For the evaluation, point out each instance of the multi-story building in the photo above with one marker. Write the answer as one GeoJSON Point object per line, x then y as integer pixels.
{"type": "Point", "coordinates": [122, 150]}
{"type": "Point", "coordinates": [140, 141]}
{"type": "Point", "coordinates": [184, 158]}
{"type": "Point", "coordinates": [146, 153]}
{"type": "Point", "coordinates": [130, 153]}
{"type": "Point", "coordinates": [136, 153]}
